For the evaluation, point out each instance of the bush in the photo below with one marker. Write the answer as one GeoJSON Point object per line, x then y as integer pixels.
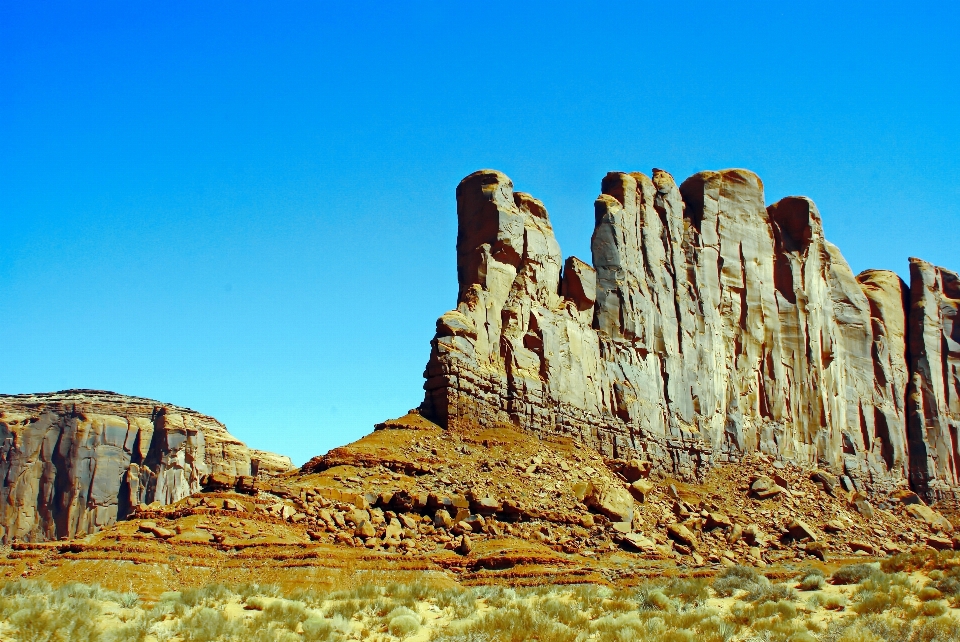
{"type": "Point", "coordinates": [689, 591]}
{"type": "Point", "coordinates": [284, 612]}
{"type": "Point", "coordinates": [403, 622]}
{"type": "Point", "coordinates": [812, 582]}
{"type": "Point", "coordinates": [738, 578]}
{"type": "Point", "coordinates": [853, 574]}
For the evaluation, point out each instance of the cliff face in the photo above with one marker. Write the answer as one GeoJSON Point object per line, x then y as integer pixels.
{"type": "Point", "coordinates": [933, 395]}
{"type": "Point", "coordinates": [709, 327]}
{"type": "Point", "coordinates": [74, 462]}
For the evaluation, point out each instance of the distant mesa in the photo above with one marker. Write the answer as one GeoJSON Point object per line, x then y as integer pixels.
{"type": "Point", "coordinates": [76, 461]}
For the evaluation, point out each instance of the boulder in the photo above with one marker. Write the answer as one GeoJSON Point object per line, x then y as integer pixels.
{"type": "Point", "coordinates": [930, 517]}
{"type": "Point", "coordinates": [833, 526]}
{"type": "Point", "coordinates": [940, 543]}
{"type": "Point", "coordinates": [827, 481]}
{"type": "Point", "coordinates": [442, 519]}
{"type": "Point", "coordinates": [610, 501]}
{"type": "Point", "coordinates": [638, 542]}
{"type": "Point", "coordinates": [866, 547]}
{"type": "Point", "coordinates": [817, 549]}
{"type": "Point", "coordinates": [681, 534]}
{"type": "Point", "coordinates": [764, 487]}
{"type": "Point", "coordinates": [717, 520]}
{"type": "Point", "coordinates": [800, 531]}
{"type": "Point", "coordinates": [364, 529]}
{"type": "Point", "coordinates": [641, 489]}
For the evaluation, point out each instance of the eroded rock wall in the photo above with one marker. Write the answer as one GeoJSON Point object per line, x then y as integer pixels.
{"type": "Point", "coordinates": [933, 394]}
{"type": "Point", "coordinates": [76, 461]}
{"type": "Point", "coordinates": [709, 327]}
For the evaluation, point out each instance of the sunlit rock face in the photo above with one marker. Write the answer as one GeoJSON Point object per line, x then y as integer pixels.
{"type": "Point", "coordinates": [933, 394]}
{"type": "Point", "coordinates": [709, 327]}
{"type": "Point", "coordinates": [74, 462]}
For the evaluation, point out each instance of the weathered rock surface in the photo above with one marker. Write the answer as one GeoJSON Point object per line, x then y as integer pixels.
{"type": "Point", "coordinates": [709, 328]}
{"type": "Point", "coordinates": [933, 394]}
{"type": "Point", "coordinates": [76, 461]}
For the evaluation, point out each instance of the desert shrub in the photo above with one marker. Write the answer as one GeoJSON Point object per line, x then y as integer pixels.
{"type": "Point", "coordinates": [514, 624]}
{"type": "Point", "coordinates": [363, 592]}
{"type": "Point", "coordinates": [309, 596]}
{"type": "Point", "coordinates": [928, 593]}
{"type": "Point", "coordinates": [409, 594]}
{"type": "Point", "coordinates": [321, 629]}
{"type": "Point", "coordinates": [205, 624]}
{"type": "Point", "coordinates": [853, 573]}
{"type": "Point", "coordinates": [135, 630]}
{"type": "Point", "coordinates": [940, 629]}
{"type": "Point", "coordinates": [403, 622]}
{"type": "Point", "coordinates": [206, 595]}
{"type": "Point", "coordinates": [285, 613]}
{"type": "Point", "coordinates": [948, 583]}
{"type": "Point", "coordinates": [653, 599]}
{"type": "Point", "coordinates": [346, 609]}
{"type": "Point", "coordinates": [832, 602]}
{"type": "Point", "coordinates": [738, 578]}
{"type": "Point", "coordinates": [882, 592]}
{"type": "Point", "coordinates": [494, 596]}
{"type": "Point", "coordinates": [614, 602]}
{"type": "Point", "coordinates": [69, 621]}
{"type": "Point", "coordinates": [688, 591]}
{"type": "Point", "coordinates": [261, 590]}
{"type": "Point", "coordinates": [934, 608]}
{"type": "Point", "coordinates": [768, 592]}
{"type": "Point", "coordinates": [812, 582]}
{"type": "Point", "coordinates": [859, 634]}
{"type": "Point", "coordinates": [565, 611]}
{"type": "Point", "coordinates": [921, 559]}
{"type": "Point", "coordinates": [37, 612]}
{"type": "Point", "coordinates": [462, 603]}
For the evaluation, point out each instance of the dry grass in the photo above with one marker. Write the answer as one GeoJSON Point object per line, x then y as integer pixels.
{"type": "Point", "coordinates": [739, 604]}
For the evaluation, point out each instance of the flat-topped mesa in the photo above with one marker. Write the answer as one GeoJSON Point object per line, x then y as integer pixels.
{"type": "Point", "coordinates": [76, 461]}
{"type": "Point", "coordinates": [709, 328]}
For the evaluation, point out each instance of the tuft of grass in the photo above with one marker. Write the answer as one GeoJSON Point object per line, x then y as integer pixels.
{"type": "Point", "coordinates": [853, 573]}
{"type": "Point", "coordinates": [738, 578]}
{"type": "Point", "coordinates": [689, 591]}
{"type": "Point", "coordinates": [812, 582]}
{"type": "Point", "coordinates": [403, 622]}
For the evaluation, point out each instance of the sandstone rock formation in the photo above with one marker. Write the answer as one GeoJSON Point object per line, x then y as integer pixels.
{"type": "Point", "coordinates": [709, 327]}
{"type": "Point", "coordinates": [933, 395]}
{"type": "Point", "coordinates": [75, 461]}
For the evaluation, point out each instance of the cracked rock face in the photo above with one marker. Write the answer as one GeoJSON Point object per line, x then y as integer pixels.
{"type": "Point", "coordinates": [709, 327]}
{"type": "Point", "coordinates": [76, 461]}
{"type": "Point", "coordinates": [933, 394]}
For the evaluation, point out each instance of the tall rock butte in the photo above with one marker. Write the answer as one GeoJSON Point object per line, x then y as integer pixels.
{"type": "Point", "coordinates": [709, 327]}
{"type": "Point", "coordinates": [75, 461]}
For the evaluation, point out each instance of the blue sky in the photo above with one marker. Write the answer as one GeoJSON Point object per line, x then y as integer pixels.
{"type": "Point", "coordinates": [248, 209]}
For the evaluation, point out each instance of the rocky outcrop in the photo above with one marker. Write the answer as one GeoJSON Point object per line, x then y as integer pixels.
{"type": "Point", "coordinates": [933, 395]}
{"type": "Point", "coordinates": [709, 327]}
{"type": "Point", "coordinates": [76, 461]}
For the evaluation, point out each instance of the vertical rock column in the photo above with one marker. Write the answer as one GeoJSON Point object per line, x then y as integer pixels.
{"type": "Point", "coordinates": [933, 394]}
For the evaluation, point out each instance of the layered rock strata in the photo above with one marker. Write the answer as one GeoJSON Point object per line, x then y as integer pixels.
{"type": "Point", "coordinates": [75, 461]}
{"type": "Point", "coordinates": [708, 327]}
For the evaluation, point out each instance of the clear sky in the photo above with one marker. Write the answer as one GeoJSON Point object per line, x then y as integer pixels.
{"type": "Point", "coordinates": [248, 209]}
